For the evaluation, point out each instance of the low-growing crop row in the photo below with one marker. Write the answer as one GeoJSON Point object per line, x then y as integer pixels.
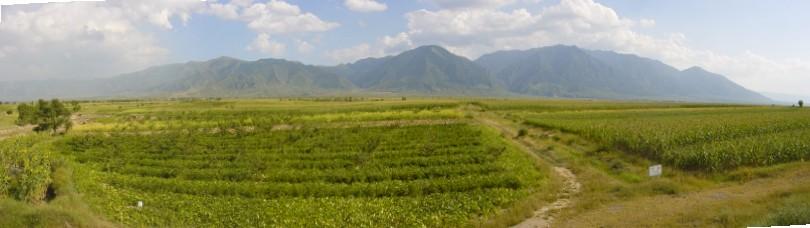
{"type": "Point", "coordinates": [420, 175]}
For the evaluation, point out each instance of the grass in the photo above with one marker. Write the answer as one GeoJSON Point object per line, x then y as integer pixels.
{"type": "Point", "coordinates": [67, 209]}
{"type": "Point", "coordinates": [793, 209]}
{"type": "Point", "coordinates": [6, 120]}
{"type": "Point", "coordinates": [616, 191]}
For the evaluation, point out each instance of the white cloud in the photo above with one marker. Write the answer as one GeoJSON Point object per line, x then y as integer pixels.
{"type": "Point", "coordinates": [100, 39]}
{"type": "Point", "coordinates": [365, 5]}
{"type": "Point", "coordinates": [225, 11]}
{"type": "Point", "coordinates": [75, 40]}
{"type": "Point", "coordinates": [263, 44]}
{"type": "Point", "coordinates": [395, 44]}
{"type": "Point", "coordinates": [468, 4]}
{"type": "Point", "coordinates": [277, 17]}
{"type": "Point", "coordinates": [274, 17]}
{"type": "Point", "coordinates": [159, 12]}
{"type": "Point", "coordinates": [304, 47]}
{"type": "Point", "coordinates": [351, 54]}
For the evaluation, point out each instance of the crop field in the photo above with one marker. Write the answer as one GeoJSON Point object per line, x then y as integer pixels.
{"type": "Point", "coordinates": [405, 164]}
{"type": "Point", "coordinates": [692, 138]}
{"type": "Point", "coordinates": [6, 119]}
{"type": "Point", "coordinates": [408, 163]}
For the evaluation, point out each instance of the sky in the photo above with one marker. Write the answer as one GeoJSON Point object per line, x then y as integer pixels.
{"type": "Point", "coordinates": [762, 45]}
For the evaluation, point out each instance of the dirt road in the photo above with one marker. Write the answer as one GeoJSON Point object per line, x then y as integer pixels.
{"type": "Point", "coordinates": [544, 216]}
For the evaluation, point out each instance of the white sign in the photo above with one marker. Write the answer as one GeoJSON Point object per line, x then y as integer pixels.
{"type": "Point", "coordinates": [655, 170]}
{"type": "Point", "coordinates": [140, 204]}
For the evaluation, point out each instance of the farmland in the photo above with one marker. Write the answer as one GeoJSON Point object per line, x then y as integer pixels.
{"type": "Point", "coordinates": [420, 162]}
{"type": "Point", "coordinates": [711, 154]}
{"type": "Point", "coordinates": [712, 139]}
{"type": "Point", "coordinates": [329, 164]}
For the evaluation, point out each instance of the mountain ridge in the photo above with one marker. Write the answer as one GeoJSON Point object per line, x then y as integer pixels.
{"type": "Point", "coordinates": [568, 71]}
{"type": "Point", "coordinates": [553, 71]}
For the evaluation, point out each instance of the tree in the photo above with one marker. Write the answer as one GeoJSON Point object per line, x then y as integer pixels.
{"type": "Point", "coordinates": [46, 115]}
{"type": "Point", "coordinates": [801, 103]}
{"type": "Point", "coordinates": [74, 105]}
{"type": "Point", "coordinates": [9, 112]}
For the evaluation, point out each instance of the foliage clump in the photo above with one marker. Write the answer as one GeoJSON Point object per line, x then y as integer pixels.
{"type": "Point", "coordinates": [46, 115]}
{"type": "Point", "coordinates": [522, 133]}
{"type": "Point", "coordinates": [25, 169]}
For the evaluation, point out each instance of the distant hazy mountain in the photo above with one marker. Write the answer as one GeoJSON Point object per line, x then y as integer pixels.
{"type": "Point", "coordinates": [221, 77]}
{"type": "Point", "coordinates": [568, 71]}
{"type": "Point", "coordinates": [233, 78]}
{"type": "Point", "coordinates": [557, 71]}
{"type": "Point", "coordinates": [427, 69]}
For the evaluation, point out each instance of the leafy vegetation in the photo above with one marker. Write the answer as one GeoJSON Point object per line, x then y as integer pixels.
{"type": "Point", "coordinates": [411, 164]}
{"type": "Point", "coordinates": [46, 115]}
{"type": "Point", "coordinates": [795, 210]}
{"type": "Point", "coordinates": [415, 162]}
{"type": "Point", "coordinates": [704, 138]}
{"type": "Point", "coordinates": [25, 168]}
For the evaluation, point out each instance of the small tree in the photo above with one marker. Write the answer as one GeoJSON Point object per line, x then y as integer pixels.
{"type": "Point", "coordinates": [801, 103]}
{"type": "Point", "coordinates": [46, 115]}
{"type": "Point", "coordinates": [9, 112]}
{"type": "Point", "coordinates": [75, 106]}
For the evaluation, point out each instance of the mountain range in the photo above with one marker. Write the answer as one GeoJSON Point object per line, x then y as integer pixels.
{"type": "Point", "coordinates": [555, 71]}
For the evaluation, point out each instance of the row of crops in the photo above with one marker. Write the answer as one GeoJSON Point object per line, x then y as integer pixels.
{"type": "Point", "coordinates": [189, 120]}
{"type": "Point", "coordinates": [709, 138]}
{"type": "Point", "coordinates": [532, 105]}
{"type": "Point", "coordinates": [449, 174]}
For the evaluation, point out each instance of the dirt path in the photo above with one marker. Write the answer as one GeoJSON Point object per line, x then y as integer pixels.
{"type": "Point", "coordinates": [544, 216]}
{"type": "Point", "coordinates": [6, 133]}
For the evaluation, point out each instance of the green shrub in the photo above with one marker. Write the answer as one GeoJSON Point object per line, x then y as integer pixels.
{"type": "Point", "coordinates": [522, 132]}
{"type": "Point", "coordinates": [795, 211]}
{"type": "Point", "coordinates": [25, 171]}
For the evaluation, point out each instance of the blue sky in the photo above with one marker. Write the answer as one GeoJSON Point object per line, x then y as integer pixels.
{"type": "Point", "coordinates": [763, 45]}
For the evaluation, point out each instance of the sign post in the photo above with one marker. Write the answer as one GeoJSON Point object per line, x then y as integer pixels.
{"type": "Point", "coordinates": [655, 170]}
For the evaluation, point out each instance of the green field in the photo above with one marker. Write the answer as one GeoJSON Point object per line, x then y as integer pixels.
{"type": "Point", "coordinates": [272, 163]}
{"type": "Point", "coordinates": [414, 163]}
{"type": "Point", "coordinates": [6, 120]}
{"type": "Point", "coordinates": [714, 139]}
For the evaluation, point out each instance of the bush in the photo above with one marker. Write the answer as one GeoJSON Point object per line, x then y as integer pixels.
{"type": "Point", "coordinates": [47, 115]}
{"type": "Point", "coordinates": [522, 133]}
{"type": "Point", "coordinates": [25, 169]}
{"type": "Point", "coordinates": [795, 211]}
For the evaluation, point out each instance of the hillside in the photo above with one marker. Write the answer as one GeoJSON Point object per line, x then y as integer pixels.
{"type": "Point", "coordinates": [232, 78]}
{"type": "Point", "coordinates": [556, 71]}
{"type": "Point", "coordinates": [568, 71]}
{"type": "Point", "coordinates": [427, 69]}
